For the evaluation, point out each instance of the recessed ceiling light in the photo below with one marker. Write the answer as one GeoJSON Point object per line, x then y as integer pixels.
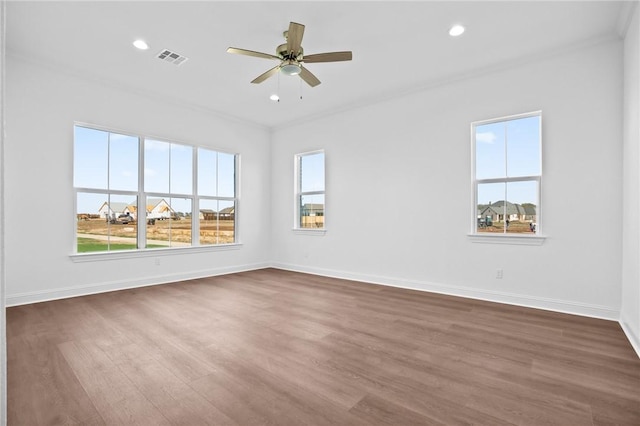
{"type": "Point", "coordinates": [274, 97]}
{"type": "Point", "coordinates": [456, 30]}
{"type": "Point", "coordinates": [141, 44]}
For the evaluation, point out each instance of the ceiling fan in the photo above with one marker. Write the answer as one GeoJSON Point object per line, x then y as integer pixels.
{"type": "Point", "coordinates": [291, 57]}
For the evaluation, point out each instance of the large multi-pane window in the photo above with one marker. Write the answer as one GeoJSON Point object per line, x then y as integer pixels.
{"type": "Point", "coordinates": [136, 192]}
{"type": "Point", "coordinates": [507, 168]}
{"type": "Point", "coordinates": [310, 191]}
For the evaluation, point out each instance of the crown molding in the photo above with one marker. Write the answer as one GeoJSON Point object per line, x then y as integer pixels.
{"type": "Point", "coordinates": [455, 78]}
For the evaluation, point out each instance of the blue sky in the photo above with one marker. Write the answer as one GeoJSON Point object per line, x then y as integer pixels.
{"type": "Point", "coordinates": [312, 172]}
{"type": "Point", "coordinates": [105, 160]}
{"type": "Point", "coordinates": [508, 149]}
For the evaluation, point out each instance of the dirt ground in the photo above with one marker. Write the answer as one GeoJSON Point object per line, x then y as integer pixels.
{"type": "Point", "coordinates": [514, 228]}
{"type": "Point", "coordinates": [211, 232]}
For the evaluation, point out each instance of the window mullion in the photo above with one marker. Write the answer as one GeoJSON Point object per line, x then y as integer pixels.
{"type": "Point", "coordinates": [506, 174]}
{"type": "Point", "coordinates": [142, 198]}
{"type": "Point", "coordinates": [195, 200]}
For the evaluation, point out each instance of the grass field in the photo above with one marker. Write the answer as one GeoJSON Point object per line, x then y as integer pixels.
{"type": "Point", "coordinates": [86, 245]}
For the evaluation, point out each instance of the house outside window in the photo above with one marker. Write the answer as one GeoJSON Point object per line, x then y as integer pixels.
{"type": "Point", "coordinates": [310, 191]}
{"type": "Point", "coordinates": [134, 192]}
{"type": "Point", "coordinates": [507, 172]}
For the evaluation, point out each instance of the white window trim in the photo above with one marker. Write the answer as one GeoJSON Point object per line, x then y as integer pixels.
{"type": "Point", "coordinates": [505, 238]}
{"type": "Point", "coordinates": [150, 252]}
{"type": "Point", "coordinates": [141, 195]}
{"type": "Point", "coordinates": [297, 194]}
{"type": "Point", "coordinates": [514, 239]}
{"type": "Point", "coordinates": [310, 231]}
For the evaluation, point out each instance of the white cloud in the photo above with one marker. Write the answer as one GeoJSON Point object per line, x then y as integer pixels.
{"type": "Point", "coordinates": [486, 137]}
{"type": "Point", "coordinates": [150, 144]}
{"type": "Point", "coordinates": [150, 172]}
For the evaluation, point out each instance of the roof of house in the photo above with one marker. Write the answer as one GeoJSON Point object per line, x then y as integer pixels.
{"type": "Point", "coordinates": [311, 206]}
{"type": "Point", "coordinates": [511, 208]}
{"type": "Point", "coordinates": [114, 206]}
{"type": "Point", "coordinates": [152, 203]}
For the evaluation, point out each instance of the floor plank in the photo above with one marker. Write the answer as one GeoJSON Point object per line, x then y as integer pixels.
{"type": "Point", "coordinates": [273, 347]}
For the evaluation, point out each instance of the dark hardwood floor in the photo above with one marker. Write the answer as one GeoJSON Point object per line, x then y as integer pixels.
{"type": "Point", "coordinates": [283, 348]}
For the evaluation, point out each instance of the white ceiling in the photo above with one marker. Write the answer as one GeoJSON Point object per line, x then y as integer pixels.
{"type": "Point", "coordinates": [397, 47]}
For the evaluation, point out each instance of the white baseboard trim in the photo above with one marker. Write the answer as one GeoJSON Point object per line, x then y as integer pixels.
{"type": "Point", "coordinates": [84, 290]}
{"type": "Point", "coordinates": [574, 308]}
{"type": "Point", "coordinates": [582, 309]}
{"type": "Point", "coordinates": [634, 339]}
{"type": "Point", "coordinates": [587, 310]}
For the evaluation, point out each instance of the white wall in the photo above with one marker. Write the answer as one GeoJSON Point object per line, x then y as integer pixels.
{"type": "Point", "coordinates": [42, 104]}
{"type": "Point", "coordinates": [630, 312]}
{"type": "Point", "coordinates": [3, 339]}
{"type": "Point", "coordinates": [398, 188]}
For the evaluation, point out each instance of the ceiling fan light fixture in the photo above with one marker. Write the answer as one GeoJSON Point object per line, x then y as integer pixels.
{"type": "Point", "coordinates": [290, 69]}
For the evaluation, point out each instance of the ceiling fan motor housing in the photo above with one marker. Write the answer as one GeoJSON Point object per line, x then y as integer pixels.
{"type": "Point", "coordinates": [284, 53]}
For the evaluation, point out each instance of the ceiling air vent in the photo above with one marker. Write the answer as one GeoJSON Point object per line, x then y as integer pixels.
{"type": "Point", "coordinates": [172, 57]}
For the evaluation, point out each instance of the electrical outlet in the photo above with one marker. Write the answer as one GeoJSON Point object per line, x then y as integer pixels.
{"type": "Point", "coordinates": [498, 274]}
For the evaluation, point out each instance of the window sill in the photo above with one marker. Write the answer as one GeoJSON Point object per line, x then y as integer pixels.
{"type": "Point", "coordinates": [310, 231]}
{"type": "Point", "coordinates": [154, 252]}
{"type": "Point", "coordinates": [523, 240]}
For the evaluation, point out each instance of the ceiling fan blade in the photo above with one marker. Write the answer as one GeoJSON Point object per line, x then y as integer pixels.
{"type": "Point", "coordinates": [262, 77]}
{"type": "Point", "coordinates": [327, 57]}
{"type": "Point", "coordinates": [294, 38]}
{"type": "Point", "coordinates": [309, 78]}
{"type": "Point", "coordinates": [252, 53]}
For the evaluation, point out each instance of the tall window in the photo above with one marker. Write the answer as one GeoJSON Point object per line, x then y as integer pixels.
{"type": "Point", "coordinates": [168, 187]}
{"type": "Point", "coordinates": [135, 192]}
{"type": "Point", "coordinates": [217, 192]}
{"type": "Point", "coordinates": [507, 170]}
{"type": "Point", "coordinates": [310, 194]}
{"type": "Point", "coordinates": [106, 182]}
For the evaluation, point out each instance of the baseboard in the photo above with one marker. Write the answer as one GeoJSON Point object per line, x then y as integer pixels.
{"type": "Point", "coordinates": [84, 290]}
{"type": "Point", "coordinates": [582, 309]}
{"type": "Point", "coordinates": [588, 310]}
{"type": "Point", "coordinates": [634, 339]}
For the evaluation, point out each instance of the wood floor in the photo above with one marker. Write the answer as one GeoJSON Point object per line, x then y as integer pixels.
{"type": "Point", "coordinates": [282, 348]}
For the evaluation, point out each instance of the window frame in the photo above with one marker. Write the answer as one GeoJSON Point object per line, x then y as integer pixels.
{"type": "Point", "coordinates": [141, 196]}
{"type": "Point", "coordinates": [504, 237]}
{"type": "Point", "coordinates": [298, 193]}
